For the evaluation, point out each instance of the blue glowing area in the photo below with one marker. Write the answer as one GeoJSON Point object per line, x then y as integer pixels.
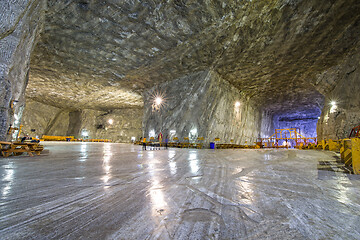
{"type": "Point", "coordinates": [306, 121]}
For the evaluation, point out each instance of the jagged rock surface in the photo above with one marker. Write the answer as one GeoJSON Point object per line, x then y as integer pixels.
{"type": "Point", "coordinates": [20, 25]}
{"type": "Point", "coordinates": [340, 84]}
{"type": "Point", "coordinates": [126, 124]}
{"type": "Point", "coordinates": [270, 50]}
{"type": "Point", "coordinates": [103, 54]}
{"type": "Point", "coordinates": [201, 105]}
{"type": "Point", "coordinates": [48, 120]}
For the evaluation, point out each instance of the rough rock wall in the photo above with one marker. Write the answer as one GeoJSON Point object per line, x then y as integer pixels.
{"type": "Point", "coordinates": [49, 120]}
{"type": "Point", "coordinates": [126, 123]}
{"type": "Point", "coordinates": [341, 85]}
{"type": "Point", "coordinates": [75, 123]}
{"type": "Point", "coordinates": [45, 119]}
{"type": "Point", "coordinates": [20, 25]}
{"type": "Point", "coordinates": [267, 124]}
{"type": "Point", "coordinates": [201, 105]}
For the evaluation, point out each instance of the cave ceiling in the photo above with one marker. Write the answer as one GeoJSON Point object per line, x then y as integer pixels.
{"type": "Point", "coordinates": [104, 54]}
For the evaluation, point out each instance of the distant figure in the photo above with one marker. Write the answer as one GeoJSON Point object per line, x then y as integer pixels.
{"type": "Point", "coordinates": [26, 137]}
{"type": "Point", "coordinates": [34, 140]}
{"type": "Point", "coordinates": [144, 143]}
{"type": "Point", "coordinates": [160, 137]}
{"type": "Point", "coordinates": [166, 141]}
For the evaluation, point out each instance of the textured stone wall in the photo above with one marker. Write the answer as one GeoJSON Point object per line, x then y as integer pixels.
{"type": "Point", "coordinates": [201, 105]}
{"type": "Point", "coordinates": [45, 119]}
{"type": "Point", "coordinates": [20, 25]}
{"type": "Point", "coordinates": [126, 123]}
{"type": "Point", "coordinates": [340, 84]}
{"type": "Point", "coordinates": [49, 120]}
{"type": "Point", "coordinates": [267, 124]}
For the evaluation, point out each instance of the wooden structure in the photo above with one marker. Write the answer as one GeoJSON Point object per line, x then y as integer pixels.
{"type": "Point", "coordinates": [18, 148]}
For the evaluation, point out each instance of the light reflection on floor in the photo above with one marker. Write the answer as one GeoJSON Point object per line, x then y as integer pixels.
{"type": "Point", "coordinates": [118, 191]}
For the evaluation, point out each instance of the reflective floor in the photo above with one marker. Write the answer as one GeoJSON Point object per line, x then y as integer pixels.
{"type": "Point", "coordinates": [118, 191]}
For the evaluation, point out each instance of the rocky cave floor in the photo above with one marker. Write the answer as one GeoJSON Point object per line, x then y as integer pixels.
{"type": "Point", "coordinates": [119, 191]}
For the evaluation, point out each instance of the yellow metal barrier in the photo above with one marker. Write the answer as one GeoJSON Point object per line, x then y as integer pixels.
{"type": "Point", "coordinates": [355, 149]}
{"type": "Point", "coordinates": [345, 152]}
{"type": "Point", "coordinates": [56, 138]}
{"type": "Point", "coordinates": [333, 145]}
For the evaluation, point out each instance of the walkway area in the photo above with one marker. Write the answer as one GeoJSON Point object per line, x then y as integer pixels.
{"type": "Point", "coordinates": [118, 191]}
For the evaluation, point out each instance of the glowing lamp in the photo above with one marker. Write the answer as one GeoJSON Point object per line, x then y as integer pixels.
{"type": "Point", "coordinates": [158, 100]}
{"type": "Point", "coordinates": [84, 133]}
{"type": "Point", "coordinates": [237, 104]}
{"type": "Point", "coordinates": [110, 121]}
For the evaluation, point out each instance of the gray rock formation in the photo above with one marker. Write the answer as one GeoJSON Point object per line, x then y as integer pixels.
{"type": "Point", "coordinates": [103, 55]}
{"type": "Point", "coordinates": [20, 25]}
{"type": "Point", "coordinates": [341, 86]}
{"type": "Point", "coordinates": [87, 123]}
{"type": "Point", "coordinates": [201, 105]}
{"type": "Point", "coordinates": [119, 125]}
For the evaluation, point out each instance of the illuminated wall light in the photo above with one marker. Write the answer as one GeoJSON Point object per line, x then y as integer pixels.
{"type": "Point", "coordinates": [237, 104]}
{"type": "Point", "coordinates": [193, 131]}
{"type": "Point", "coordinates": [172, 131]}
{"type": "Point", "coordinates": [158, 100]}
{"type": "Point", "coordinates": [152, 133]}
{"type": "Point", "coordinates": [333, 107]}
{"type": "Point", "coordinates": [84, 133]}
{"type": "Point", "coordinates": [133, 139]}
{"type": "Point", "coordinates": [110, 121]}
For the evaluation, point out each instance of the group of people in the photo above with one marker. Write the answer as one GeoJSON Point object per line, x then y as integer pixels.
{"type": "Point", "coordinates": [27, 137]}
{"type": "Point", "coordinates": [156, 144]}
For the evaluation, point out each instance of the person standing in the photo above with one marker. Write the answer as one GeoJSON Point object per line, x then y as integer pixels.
{"type": "Point", "coordinates": [144, 144]}
{"type": "Point", "coordinates": [160, 137]}
{"type": "Point", "coordinates": [166, 141]}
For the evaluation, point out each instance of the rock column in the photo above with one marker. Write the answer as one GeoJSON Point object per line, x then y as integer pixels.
{"type": "Point", "coordinates": [20, 24]}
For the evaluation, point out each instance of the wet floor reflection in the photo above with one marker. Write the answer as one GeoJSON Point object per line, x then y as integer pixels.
{"type": "Point", "coordinates": [173, 167]}
{"type": "Point", "coordinates": [171, 154]}
{"type": "Point", "coordinates": [150, 154]}
{"type": "Point", "coordinates": [83, 152]}
{"type": "Point", "coordinates": [156, 190]}
{"type": "Point", "coordinates": [172, 163]}
{"type": "Point", "coordinates": [343, 192]}
{"type": "Point", "coordinates": [246, 193]}
{"type": "Point", "coordinates": [8, 178]}
{"type": "Point", "coordinates": [194, 163]}
{"type": "Point", "coordinates": [158, 203]}
{"type": "Point", "coordinates": [107, 155]}
{"type": "Point", "coordinates": [174, 194]}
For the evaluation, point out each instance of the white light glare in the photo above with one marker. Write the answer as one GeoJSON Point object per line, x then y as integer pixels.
{"type": "Point", "coordinates": [158, 100]}
{"type": "Point", "coordinates": [110, 121]}
{"type": "Point", "coordinates": [237, 104]}
{"type": "Point", "coordinates": [84, 133]}
{"type": "Point", "coordinates": [172, 131]}
{"type": "Point", "coordinates": [333, 108]}
{"type": "Point", "coordinates": [152, 133]}
{"type": "Point", "coordinates": [193, 131]}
